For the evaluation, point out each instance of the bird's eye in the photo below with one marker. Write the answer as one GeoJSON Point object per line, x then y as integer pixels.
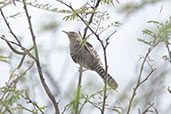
{"type": "Point", "coordinates": [72, 32]}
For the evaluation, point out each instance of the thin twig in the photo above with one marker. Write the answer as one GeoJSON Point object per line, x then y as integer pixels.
{"type": "Point", "coordinates": [78, 90]}
{"type": "Point", "coordinates": [87, 25]}
{"type": "Point", "coordinates": [48, 92]}
{"type": "Point", "coordinates": [34, 103]}
{"type": "Point", "coordinates": [147, 109]}
{"type": "Point", "coordinates": [87, 100]}
{"type": "Point", "coordinates": [105, 79]}
{"type": "Point", "coordinates": [6, 106]}
{"type": "Point", "coordinates": [25, 108]}
{"type": "Point", "coordinates": [16, 38]}
{"type": "Point", "coordinates": [91, 18]}
{"type": "Point", "coordinates": [139, 82]}
{"type": "Point", "coordinates": [12, 85]}
{"type": "Point", "coordinates": [11, 47]}
{"type": "Point", "coordinates": [169, 51]}
{"type": "Point", "coordinates": [155, 109]}
{"type": "Point", "coordinates": [81, 107]}
{"type": "Point", "coordinates": [169, 89]}
{"type": "Point", "coordinates": [10, 28]}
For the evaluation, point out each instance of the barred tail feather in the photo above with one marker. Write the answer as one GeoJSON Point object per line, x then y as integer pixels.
{"type": "Point", "coordinates": [110, 80]}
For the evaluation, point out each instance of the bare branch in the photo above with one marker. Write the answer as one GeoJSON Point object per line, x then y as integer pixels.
{"type": "Point", "coordinates": [155, 109]}
{"type": "Point", "coordinates": [26, 51]}
{"type": "Point", "coordinates": [139, 82]}
{"type": "Point", "coordinates": [48, 92]}
{"type": "Point", "coordinates": [10, 28]}
{"type": "Point", "coordinates": [11, 47]}
{"type": "Point", "coordinates": [16, 38]}
{"type": "Point", "coordinates": [147, 109]}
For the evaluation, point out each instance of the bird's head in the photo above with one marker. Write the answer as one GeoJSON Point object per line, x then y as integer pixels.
{"type": "Point", "coordinates": [73, 35]}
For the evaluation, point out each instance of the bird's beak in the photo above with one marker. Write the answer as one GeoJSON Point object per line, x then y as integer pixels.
{"type": "Point", "coordinates": [65, 32]}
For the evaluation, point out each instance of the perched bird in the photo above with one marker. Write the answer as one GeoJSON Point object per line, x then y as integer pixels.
{"type": "Point", "coordinates": [87, 56]}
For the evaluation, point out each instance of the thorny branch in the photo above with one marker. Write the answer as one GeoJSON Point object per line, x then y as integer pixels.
{"type": "Point", "coordinates": [48, 92]}
{"type": "Point", "coordinates": [140, 81]}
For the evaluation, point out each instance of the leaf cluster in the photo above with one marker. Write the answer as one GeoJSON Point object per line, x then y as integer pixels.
{"type": "Point", "coordinates": [133, 6]}
{"type": "Point", "coordinates": [4, 58]}
{"type": "Point", "coordinates": [94, 99]}
{"type": "Point", "coordinates": [83, 10]}
{"type": "Point", "coordinates": [161, 35]}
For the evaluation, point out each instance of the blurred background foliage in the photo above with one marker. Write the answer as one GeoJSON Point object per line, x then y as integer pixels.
{"type": "Point", "coordinates": [21, 91]}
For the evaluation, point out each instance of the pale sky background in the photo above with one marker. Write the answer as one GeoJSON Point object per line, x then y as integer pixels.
{"type": "Point", "coordinates": [123, 51]}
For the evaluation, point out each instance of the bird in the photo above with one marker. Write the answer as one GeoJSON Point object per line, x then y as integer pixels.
{"type": "Point", "coordinates": [86, 56]}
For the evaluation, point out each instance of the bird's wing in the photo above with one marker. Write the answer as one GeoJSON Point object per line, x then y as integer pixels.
{"type": "Point", "coordinates": [92, 56]}
{"type": "Point", "coordinates": [91, 50]}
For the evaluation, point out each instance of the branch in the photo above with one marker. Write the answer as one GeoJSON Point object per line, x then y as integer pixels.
{"type": "Point", "coordinates": [11, 47]}
{"type": "Point", "coordinates": [16, 38]}
{"type": "Point", "coordinates": [87, 100]}
{"type": "Point", "coordinates": [106, 69]}
{"type": "Point", "coordinates": [11, 86]}
{"type": "Point", "coordinates": [105, 79]}
{"type": "Point", "coordinates": [169, 89]}
{"type": "Point", "coordinates": [147, 109]}
{"type": "Point", "coordinates": [48, 92]}
{"type": "Point", "coordinates": [26, 51]}
{"type": "Point", "coordinates": [78, 90]}
{"type": "Point", "coordinates": [155, 109]}
{"type": "Point", "coordinates": [22, 107]}
{"type": "Point", "coordinates": [33, 102]}
{"type": "Point", "coordinates": [169, 51]}
{"type": "Point", "coordinates": [91, 18]}
{"type": "Point", "coordinates": [139, 82]}
{"type": "Point", "coordinates": [87, 25]}
{"type": "Point", "coordinates": [10, 30]}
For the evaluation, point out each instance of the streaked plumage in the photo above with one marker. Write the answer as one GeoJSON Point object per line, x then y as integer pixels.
{"type": "Point", "coordinates": [87, 56]}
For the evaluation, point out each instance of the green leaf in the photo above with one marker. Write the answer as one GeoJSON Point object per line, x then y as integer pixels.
{"type": "Point", "coordinates": [117, 110]}
{"type": "Point", "coordinates": [4, 59]}
{"type": "Point", "coordinates": [107, 2]}
{"type": "Point", "coordinates": [40, 108]}
{"type": "Point", "coordinates": [83, 42]}
{"type": "Point", "coordinates": [145, 42]}
{"type": "Point", "coordinates": [164, 57]}
{"type": "Point", "coordinates": [149, 32]}
{"type": "Point", "coordinates": [155, 22]}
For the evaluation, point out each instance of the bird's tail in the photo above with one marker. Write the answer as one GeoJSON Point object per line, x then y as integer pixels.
{"type": "Point", "coordinates": [110, 80]}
